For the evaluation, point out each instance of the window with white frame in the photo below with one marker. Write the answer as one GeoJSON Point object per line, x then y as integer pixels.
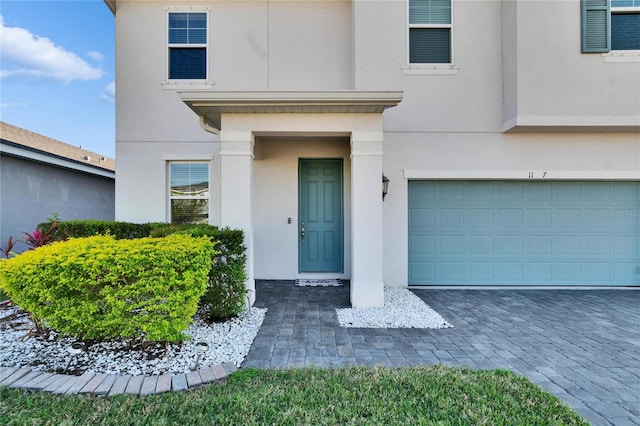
{"type": "Point", "coordinates": [187, 44]}
{"type": "Point", "coordinates": [610, 25]}
{"type": "Point", "coordinates": [625, 24]}
{"type": "Point", "coordinates": [430, 31]}
{"type": "Point", "coordinates": [189, 192]}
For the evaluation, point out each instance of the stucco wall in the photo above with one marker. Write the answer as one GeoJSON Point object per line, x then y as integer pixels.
{"type": "Point", "coordinates": [32, 192]}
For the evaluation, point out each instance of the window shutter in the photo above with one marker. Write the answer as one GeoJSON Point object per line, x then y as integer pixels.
{"type": "Point", "coordinates": [596, 26]}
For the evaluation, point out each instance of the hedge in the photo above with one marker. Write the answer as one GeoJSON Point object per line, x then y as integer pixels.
{"type": "Point", "coordinates": [226, 293]}
{"type": "Point", "coordinates": [100, 288]}
{"type": "Point", "coordinates": [88, 228]}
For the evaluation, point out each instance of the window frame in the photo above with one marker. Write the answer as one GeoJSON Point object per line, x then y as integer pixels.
{"type": "Point", "coordinates": [598, 30]}
{"type": "Point", "coordinates": [172, 197]}
{"type": "Point", "coordinates": [206, 45]}
{"type": "Point", "coordinates": [620, 11]}
{"type": "Point", "coordinates": [430, 67]}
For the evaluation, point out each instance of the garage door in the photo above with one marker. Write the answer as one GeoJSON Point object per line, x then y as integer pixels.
{"type": "Point", "coordinates": [524, 233]}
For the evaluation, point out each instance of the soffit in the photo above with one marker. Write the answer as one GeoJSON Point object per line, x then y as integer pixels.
{"type": "Point", "coordinates": [211, 105]}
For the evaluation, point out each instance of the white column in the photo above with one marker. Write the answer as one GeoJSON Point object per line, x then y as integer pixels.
{"type": "Point", "coordinates": [236, 190]}
{"type": "Point", "coordinates": [367, 287]}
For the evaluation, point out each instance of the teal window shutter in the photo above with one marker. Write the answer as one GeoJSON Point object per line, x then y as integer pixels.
{"type": "Point", "coordinates": [596, 26]}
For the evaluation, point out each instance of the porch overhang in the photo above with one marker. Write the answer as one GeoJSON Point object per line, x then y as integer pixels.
{"type": "Point", "coordinates": [210, 105]}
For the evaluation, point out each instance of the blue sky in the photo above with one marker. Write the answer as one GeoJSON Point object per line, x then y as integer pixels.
{"type": "Point", "coordinates": [57, 70]}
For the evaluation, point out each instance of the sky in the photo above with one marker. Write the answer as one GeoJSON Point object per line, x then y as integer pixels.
{"type": "Point", "coordinates": [57, 70]}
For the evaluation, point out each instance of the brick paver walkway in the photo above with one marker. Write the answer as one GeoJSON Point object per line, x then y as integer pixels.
{"type": "Point", "coordinates": [582, 345]}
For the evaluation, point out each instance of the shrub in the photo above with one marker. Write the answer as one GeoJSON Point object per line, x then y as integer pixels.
{"type": "Point", "coordinates": [226, 294]}
{"type": "Point", "coordinates": [88, 228]}
{"type": "Point", "coordinates": [101, 288]}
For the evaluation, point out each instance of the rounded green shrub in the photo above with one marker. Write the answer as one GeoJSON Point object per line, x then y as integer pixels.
{"type": "Point", "coordinates": [101, 288]}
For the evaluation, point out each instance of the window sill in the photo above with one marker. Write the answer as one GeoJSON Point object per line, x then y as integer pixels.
{"type": "Point", "coordinates": [622, 56]}
{"type": "Point", "coordinates": [187, 85]}
{"type": "Point", "coordinates": [430, 69]}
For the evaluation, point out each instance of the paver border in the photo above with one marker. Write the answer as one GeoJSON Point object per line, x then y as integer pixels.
{"type": "Point", "coordinates": [100, 384]}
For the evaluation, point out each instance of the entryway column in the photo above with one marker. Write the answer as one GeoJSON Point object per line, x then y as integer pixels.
{"type": "Point", "coordinates": [236, 190]}
{"type": "Point", "coordinates": [367, 287]}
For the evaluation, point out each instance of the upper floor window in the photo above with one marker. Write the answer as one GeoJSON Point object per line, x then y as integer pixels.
{"type": "Point", "coordinates": [189, 192]}
{"type": "Point", "coordinates": [430, 31]}
{"type": "Point", "coordinates": [625, 24]}
{"type": "Point", "coordinates": [610, 25]}
{"type": "Point", "coordinates": [187, 35]}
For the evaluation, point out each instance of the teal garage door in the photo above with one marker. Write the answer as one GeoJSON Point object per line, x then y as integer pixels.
{"type": "Point", "coordinates": [524, 233]}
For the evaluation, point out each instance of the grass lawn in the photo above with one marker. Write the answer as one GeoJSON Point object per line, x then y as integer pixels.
{"type": "Point", "coordinates": [435, 395]}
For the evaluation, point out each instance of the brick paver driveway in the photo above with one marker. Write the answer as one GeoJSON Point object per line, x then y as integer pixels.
{"type": "Point", "coordinates": [582, 345]}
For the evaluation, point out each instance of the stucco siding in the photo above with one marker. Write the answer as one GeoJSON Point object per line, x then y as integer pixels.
{"type": "Point", "coordinates": [32, 192]}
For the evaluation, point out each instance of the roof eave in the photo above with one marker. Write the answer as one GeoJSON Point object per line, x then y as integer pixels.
{"type": "Point", "coordinates": [212, 104]}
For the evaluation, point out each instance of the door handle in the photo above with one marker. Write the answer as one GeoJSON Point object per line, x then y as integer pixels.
{"type": "Point", "coordinates": [302, 231]}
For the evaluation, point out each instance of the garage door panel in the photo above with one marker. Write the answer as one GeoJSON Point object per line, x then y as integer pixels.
{"type": "Point", "coordinates": [625, 245]}
{"type": "Point", "coordinates": [480, 218]}
{"type": "Point", "coordinates": [567, 218]}
{"type": "Point", "coordinates": [626, 272]}
{"type": "Point", "coordinates": [451, 218]}
{"type": "Point", "coordinates": [510, 192]}
{"type": "Point", "coordinates": [481, 245]}
{"type": "Point", "coordinates": [539, 245]}
{"type": "Point", "coordinates": [626, 192]}
{"type": "Point", "coordinates": [510, 218]}
{"type": "Point", "coordinates": [481, 271]}
{"type": "Point", "coordinates": [510, 245]}
{"type": "Point", "coordinates": [509, 273]}
{"type": "Point", "coordinates": [595, 272]}
{"type": "Point", "coordinates": [596, 245]}
{"type": "Point", "coordinates": [451, 244]}
{"type": "Point", "coordinates": [451, 272]}
{"type": "Point", "coordinates": [596, 218]}
{"type": "Point", "coordinates": [524, 233]}
{"type": "Point", "coordinates": [541, 194]}
{"type": "Point", "coordinates": [422, 218]}
{"type": "Point", "coordinates": [568, 193]}
{"type": "Point", "coordinates": [539, 273]}
{"type": "Point", "coordinates": [422, 272]}
{"type": "Point", "coordinates": [539, 218]}
{"type": "Point", "coordinates": [422, 245]}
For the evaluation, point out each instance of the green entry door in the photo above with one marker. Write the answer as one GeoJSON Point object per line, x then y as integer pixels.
{"type": "Point", "coordinates": [320, 241]}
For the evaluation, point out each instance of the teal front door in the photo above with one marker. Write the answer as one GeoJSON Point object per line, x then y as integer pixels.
{"type": "Point", "coordinates": [320, 229]}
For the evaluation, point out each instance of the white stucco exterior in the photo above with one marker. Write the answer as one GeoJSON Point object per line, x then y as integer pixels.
{"type": "Point", "coordinates": [518, 100]}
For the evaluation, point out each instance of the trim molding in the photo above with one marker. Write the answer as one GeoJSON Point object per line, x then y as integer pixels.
{"type": "Point", "coordinates": [526, 175]}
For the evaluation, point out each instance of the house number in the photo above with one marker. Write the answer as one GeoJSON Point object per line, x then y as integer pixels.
{"type": "Point", "coordinates": [540, 175]}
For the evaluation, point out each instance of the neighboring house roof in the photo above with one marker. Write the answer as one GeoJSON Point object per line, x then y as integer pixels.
{"type": "Point", "coordinates": [23, 143]}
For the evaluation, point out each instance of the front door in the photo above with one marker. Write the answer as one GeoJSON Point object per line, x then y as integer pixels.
{"type": "Point", "coordinates": [320, 229]}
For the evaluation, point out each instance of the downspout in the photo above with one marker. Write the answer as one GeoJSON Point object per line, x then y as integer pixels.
{"type": "Point", "coordinates": [207, 127]}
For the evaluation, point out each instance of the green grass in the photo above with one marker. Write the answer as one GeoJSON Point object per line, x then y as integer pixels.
{"type": "Point", "coordinates": [433, 395]}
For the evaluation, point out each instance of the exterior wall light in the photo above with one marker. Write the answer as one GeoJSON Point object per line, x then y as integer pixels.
{"type": "Point", "coordinates": [385, 186]}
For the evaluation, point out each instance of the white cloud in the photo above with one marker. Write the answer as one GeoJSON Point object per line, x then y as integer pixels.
{"type": "Point", "coordinates": [26, 55]}
{"type": "Point", "coordinates": [12, 105]}
{"type": "Point", "coordinates": [95, 55]}
{"type": "Point", "coordinates": [109, 94]}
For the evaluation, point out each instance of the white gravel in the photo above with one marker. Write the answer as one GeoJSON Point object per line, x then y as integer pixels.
{"type": "Point", "coordinates": [402, 309]}
{"type": "Point", "coordinates": [228, 341]}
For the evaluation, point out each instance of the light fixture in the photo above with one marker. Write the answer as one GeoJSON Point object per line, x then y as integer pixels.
{"type": "Point", "coordinates": [73, 350]}
{"type": "Point", "coordinates": [385, 186]}
{"type": "Point", "coordinates": [201, 347]}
